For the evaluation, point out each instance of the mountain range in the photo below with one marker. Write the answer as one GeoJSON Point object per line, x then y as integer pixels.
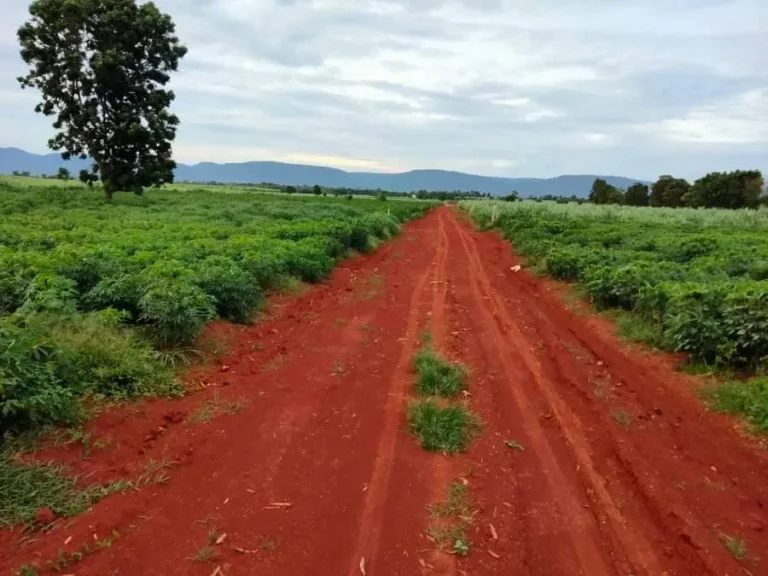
{"type": "Point", "coordinates": [14, 159]}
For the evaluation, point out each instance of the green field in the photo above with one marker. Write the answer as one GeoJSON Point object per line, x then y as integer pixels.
{"type": "Point", "coordinates": [687, 280]}
{"type": "Point", "coordinates": [102, 298]}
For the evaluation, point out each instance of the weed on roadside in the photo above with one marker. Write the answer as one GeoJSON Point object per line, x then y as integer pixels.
{"type": "Point", "coordinates": [457, 503]}
{"type": "Point", "coordinates": [204, 554]}
{"type": "Point", "coordinates": [338, 369]}
{"type": "Point", "coordinates": [214, 407]}
{"type": "Point", "coordinates": [749, 399]}
{"type": "Point", "coordinates": [437, 377]}
{"type": "Point", "coordinates": [373, 286]}
{"type": "Point", "coordinates": [442, 429]}
{"type": "Point", "coordinates": [622, 418]}
{"type": "Point", "coordinates": [736, 546]}
{"type": "Point", "coordinates": [452, 538]}
{"type": "Point", "coordinates": [450, 520]}
{"type": "Point", "coordinates": [269, 544]}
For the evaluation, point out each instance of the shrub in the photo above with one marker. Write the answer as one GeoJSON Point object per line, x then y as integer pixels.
{"type": "Point", "coordinates": [120, 292]}
{"type": "Point", "coordinates": [30, 391]}
{"type": "Point", "coordinates": [175, 311]}
{"type": "Point", "coordinates": [235, 292]}
{"type": "Point", "coordinates": [97, 356]}
{"type": "Point", "coordinates": [266, 268]}
{"type": "Point", "coordinates": [51, 293]}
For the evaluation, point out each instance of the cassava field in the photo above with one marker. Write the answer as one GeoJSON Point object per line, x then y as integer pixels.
{"type": "Point", "coordinates": [230, 381]}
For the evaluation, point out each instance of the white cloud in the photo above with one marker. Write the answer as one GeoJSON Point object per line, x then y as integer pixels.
{"type": "Point", "coordinates": [496, 86]}
{"type": "Point", "coordinates": [739, 120]}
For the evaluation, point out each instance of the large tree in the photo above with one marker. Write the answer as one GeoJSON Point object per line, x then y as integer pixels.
{"type": "Point", "coordinates": [604, 193]}
{"type": "Point", "coordinates": [669, 191]}
{"type": "Point", "coordinates": [101, 66]}
{"type": "Point", "coordinates": [738, 189]}
{"type": "Point", "coordinates": [636, 195]}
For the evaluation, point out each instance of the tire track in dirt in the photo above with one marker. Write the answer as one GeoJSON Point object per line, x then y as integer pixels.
{"type": "Point", "coordinates": [371, 520]}
{"type": "Point", "coordinates": [661, 470]}
{"type": "Point", "coordinates": [442, 467]}
{"type": "Point", "coordinates": [587, 544]}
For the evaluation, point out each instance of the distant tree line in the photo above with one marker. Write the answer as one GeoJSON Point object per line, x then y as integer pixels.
{"type": "Point", "coordinates": [737, 189]}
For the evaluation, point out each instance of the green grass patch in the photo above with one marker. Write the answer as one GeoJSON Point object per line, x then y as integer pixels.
{"type": "Point", "coordinates": [25, 488]}
{"type": "Point", "coordinates": [442, 429]}
{"type": "Point", "coordinates": [746, 398]}
{"type": "Point", "coordinates": [636, 328]}
{"type": "Point", "coordinates": [437, 377]}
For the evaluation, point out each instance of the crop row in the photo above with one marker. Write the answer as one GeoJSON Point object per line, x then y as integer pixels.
{"type": "Point", "coordinates": [94, 295]}
{"type": "Point", "coordinates": [697, 280]}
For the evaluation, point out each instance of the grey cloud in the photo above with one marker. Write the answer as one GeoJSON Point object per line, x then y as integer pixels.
{"type": "Point", "coordinates": [494, 86]}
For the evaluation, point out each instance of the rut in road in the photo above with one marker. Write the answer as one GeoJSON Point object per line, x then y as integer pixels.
{"type": "Point", "coordinates": [316, 473]}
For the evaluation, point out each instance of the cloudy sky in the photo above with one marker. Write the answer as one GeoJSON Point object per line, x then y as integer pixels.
{"type": "Point", "coordinates": [500, 87]}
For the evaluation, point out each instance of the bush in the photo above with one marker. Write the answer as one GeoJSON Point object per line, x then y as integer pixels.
{"type": "Point", "coordinates": [235, 292]}
{"type": "Point", "coordinates": [119, 292]}
{"type": "Point", "coordinates": [51, 293]}
{"type": "Point", "coordinates": [31, 393]}
{"type": "Point", "coordinates": [97, 356]}
{"type": "Point", "coordinates": [175, 312]}
{"type": "Point", "coordinates": [618, 287]}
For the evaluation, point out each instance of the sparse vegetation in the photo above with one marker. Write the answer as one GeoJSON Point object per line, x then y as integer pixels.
{"type": "Point", "coordinates": [442, 428]}
{"type": "Point", "coordinates": [204, 554]}
{"type": "Point", "coordinates": [214, 407]}
{"type": "Point", "coordinates": [736, 546]}
{"type": "Point", "coordinates": [451, 518]}
{"type": "Point", "coordinates": [622, 418]}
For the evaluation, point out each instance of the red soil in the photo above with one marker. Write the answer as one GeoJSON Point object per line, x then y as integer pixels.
{"type": "Point", "coordinates": [310, 415]}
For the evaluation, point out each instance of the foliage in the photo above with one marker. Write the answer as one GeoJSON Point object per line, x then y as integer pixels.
{"type": "Point", "coordinates": [694, 279]}
{"type": "Point", "coordinates": [96, 298]}
{"type": "Point", "coordinates": [604, 193]}
{"type": "Point", "coordinates": [747, 398]}
{"type": "Point", "coordinates": [101, 66]}
{"type": "Point", "coordinates": [669, 191]}
{"type": "Point", "coordinates": [738, 189]}
{"type": "Point", "coordinates": [637, 195]}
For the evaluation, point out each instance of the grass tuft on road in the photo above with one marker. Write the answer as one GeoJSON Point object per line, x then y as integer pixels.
{"type": "Point", "coordinates": [451, 518]}
{"type": "Point", "coordinates": [442, 429]}
{"type": "Point", "coordinates": [435, 376]}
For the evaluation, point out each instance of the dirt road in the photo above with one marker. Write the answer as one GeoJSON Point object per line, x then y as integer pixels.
{"type": "Point", "coordinates": [296, 455]}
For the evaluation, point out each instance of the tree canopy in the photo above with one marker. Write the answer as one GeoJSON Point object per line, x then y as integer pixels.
{"type": "Point", "coordinates": [738, 189]}
{"type": "Point", "coordinates": [636, 195]}
{"type": "Point", "coordinates": [101, 66]}
{"type": "Point", "coordinates": [604, 193]}
{"type": "Point", "coordinates": [669, 191]}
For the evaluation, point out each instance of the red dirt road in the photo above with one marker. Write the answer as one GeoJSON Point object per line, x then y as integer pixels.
{"type": "Point", "coordinates": [302, 459]}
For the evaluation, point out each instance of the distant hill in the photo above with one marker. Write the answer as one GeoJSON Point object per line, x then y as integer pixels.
{"type": "Point", "coordinates": [299, 175]}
